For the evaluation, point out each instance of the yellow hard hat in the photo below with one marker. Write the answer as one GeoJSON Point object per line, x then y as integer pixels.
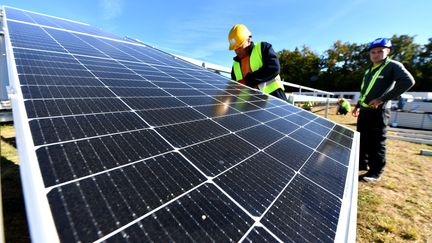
{"type": "Point", "coordinates": [238, 34]}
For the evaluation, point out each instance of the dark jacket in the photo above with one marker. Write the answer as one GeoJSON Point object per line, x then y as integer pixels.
{"type": "Point", "coordinates": [393, 80]}
{"type": "Point", "coordinates": [268, 71]}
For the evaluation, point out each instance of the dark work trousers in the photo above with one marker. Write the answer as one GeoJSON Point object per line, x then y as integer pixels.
{"type": "Point", "coordinates": [280, 94]}
{"type": "Point", "coordinates": [342, 110]}
{"type": "Point", "coordinates": [372, 125]}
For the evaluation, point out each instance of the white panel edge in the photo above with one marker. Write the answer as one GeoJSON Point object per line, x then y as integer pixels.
{"type": "Point", "coordinates": [73, 21]}
{"type": "Point", "coordinates": [39, 216]}
{"type": "Point", "coordinates": [347, 223]}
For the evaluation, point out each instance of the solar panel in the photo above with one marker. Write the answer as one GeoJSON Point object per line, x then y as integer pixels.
{"type": "Point", "coordinates": [119, 141]}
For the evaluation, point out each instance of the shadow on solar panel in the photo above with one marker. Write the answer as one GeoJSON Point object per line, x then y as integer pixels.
{"type": "Point", "coordinates": [119, 141]}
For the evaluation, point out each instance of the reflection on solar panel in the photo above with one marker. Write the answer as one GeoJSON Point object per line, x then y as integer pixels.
{"type": "Point", "coordinates": [122, 142]}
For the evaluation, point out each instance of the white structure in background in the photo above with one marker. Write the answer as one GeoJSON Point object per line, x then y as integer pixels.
{"type": "Point", "coordinates": [411, 120]}
{"type": "Point", "coordinates": [354, 96]}
{"type": "Point", "coordinates": [5, 104]}
{"type": "Point", "coordinates": [412, 113]}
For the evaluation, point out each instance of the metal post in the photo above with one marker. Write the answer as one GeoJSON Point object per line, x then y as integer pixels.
{"type": "Point", "coordinates": [327, 106]}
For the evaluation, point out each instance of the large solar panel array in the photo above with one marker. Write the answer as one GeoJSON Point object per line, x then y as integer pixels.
{"type": "Point", "coordinates": [119, 141]}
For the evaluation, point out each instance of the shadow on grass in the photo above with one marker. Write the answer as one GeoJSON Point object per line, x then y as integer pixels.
{"type": "Point", "coordinates": [15, 221]}
{"type": "Point", "coordinates": [11, 141]}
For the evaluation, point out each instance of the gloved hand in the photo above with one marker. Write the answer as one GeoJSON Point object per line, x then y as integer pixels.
{"type": "Point", "coordinates": [242, 81]}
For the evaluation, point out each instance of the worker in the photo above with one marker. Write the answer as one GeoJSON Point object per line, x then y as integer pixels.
{"type": "Point", "coordinates": [307, 105]}
{"type": "Point", "coordinates": [343, 107]}
{"type": "Point", "coordinates": [383, 81]}
{"type": "Point", "coordinates": [255, 64]}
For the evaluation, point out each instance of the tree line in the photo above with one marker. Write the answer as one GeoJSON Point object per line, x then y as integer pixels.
{"type": "Point", "coordinates": [341, 68]}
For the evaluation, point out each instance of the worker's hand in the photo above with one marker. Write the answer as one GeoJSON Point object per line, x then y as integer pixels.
{"type": "Point", "coordinates": [242, 81]}
{"type": "Point", "coordinates": [355, 112]}
{"type": "Point", "coordinates": [375, 103]}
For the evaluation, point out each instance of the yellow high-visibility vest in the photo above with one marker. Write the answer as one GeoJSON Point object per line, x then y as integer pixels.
{"type": "Point", "coordinates": [256, 63]}
{"type": "Point", "coordinates": [371, 83]}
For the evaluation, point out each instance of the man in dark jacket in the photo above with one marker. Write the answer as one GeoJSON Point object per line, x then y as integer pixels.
{"type": "Point", "coordinates": [256, 65]}
{"type": "Point", "coordinates": [385, 80]}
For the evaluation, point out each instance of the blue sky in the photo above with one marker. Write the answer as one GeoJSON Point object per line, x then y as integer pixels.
{"type": "Point", "coordinates": [199, 28]}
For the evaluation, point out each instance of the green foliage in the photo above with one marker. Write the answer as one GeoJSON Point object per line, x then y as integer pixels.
{"type": "Point", "coordinates": [341, 67]}
{"type": "Point", "coordinates": [298, 65]}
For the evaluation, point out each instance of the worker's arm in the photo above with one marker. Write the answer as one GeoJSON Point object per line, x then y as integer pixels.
{"type": "Point", "coordinates": [233, 77]}
{"type": "Point", "coordinates": [403, 81]}
{"type": "Point", "coordinates": [268, 71]}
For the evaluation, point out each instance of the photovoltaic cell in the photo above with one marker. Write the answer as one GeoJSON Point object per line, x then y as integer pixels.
{"type": "Point", "coordinates": [298, 153]}
{"type": "Point", "coordinates": [149, 103]}
{"type": "Point", "coordinates": [68, 161]}
{"type": "Point", "coordinates": [159, 117]}
{"type": "Point", "coordinates": [260, 136]}
{"type": "Point", "coordinates": [115, 198]}
{"type": "Point", "coordinates": [34, 37]}
{"type": "Point", "coordinates": [340, 138]}
{"type": "Point", "coordinates": [259, 234]}
{"type": "Point", "coordinates": [283, 125]}
{"type": "Point", "coordinates": [217, 109]}
{"type": "Point", "coordinates": [296, 119]}
{"type": "Point", "coordinates": [218, 155]}
{"type": "Point", "coordinates": [262, 115]}
{"type": "Point", "coordinates": [326, 172]}
{"type": "Point", "coordinates": [256, 182]}
{"type": "Point", "coordinates": [317, 128]}
{"type": "Point", "coordinates": [129, 143]}
{"type": "Point", "coordinates": [236, 122]}
{"type": "Point", "coordinates": [335, 151]}
{"type": "Point", "coordinates": [203, 215]}
{"type": "Point", "coordinates": [343, 130]}
{"type": "Point", "coordinates": [279, 111]}
{"type": "Point", "coordinates": [77, 106]}
{"type": "Point", "coordinates": [313, 139]}
{"type": "Point", "coordinates": [325, 123]}
{"type": "Point", "coordinates": [299, 213]}
{"type": "Point", "coordinates": [54, 130]}
{"type": "Point", "coordinates": [183, 134]}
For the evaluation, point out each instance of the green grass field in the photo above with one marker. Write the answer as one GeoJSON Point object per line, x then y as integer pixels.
{"type": "Point", "coordinates": [398, 208]}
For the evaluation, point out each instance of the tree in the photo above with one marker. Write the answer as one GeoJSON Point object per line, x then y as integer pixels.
{"type": "Point", "coordinates": [299, 66]}
{"type": "Point", "coordinates": [424, 69]}
{"type": "Point", "coordinates": [344, 66]}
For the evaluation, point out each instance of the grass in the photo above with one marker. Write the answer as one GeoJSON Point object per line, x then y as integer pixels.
{"type": "Point", "coordinates": [398, 208]}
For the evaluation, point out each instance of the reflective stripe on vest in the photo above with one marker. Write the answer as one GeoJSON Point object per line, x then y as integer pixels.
{"type": "Point", "coordinates": [272, 85]}
{"type": "Point", "coordinates": [255, 62]}
{"type": "Point", "coordinates": [371, 83]}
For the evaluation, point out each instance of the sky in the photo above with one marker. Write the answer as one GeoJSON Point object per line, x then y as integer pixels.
{"type": "Point", "coordinates": [199, 28]}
